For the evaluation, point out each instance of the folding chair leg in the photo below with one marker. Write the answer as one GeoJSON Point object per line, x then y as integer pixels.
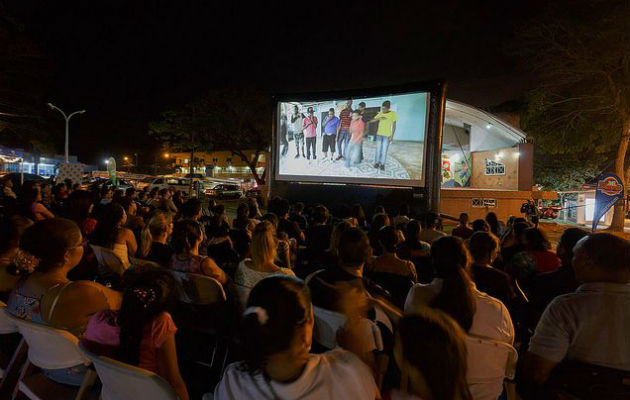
{"type": "Point", "coordinates": [13, 370]}
{"type": "Point", "coordinates": [86, 385]}
{"type": "Point", "coordinates": [25, 368]}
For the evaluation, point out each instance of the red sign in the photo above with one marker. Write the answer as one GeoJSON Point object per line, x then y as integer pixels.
{"type": "Point", "coordinates": [609, 186]}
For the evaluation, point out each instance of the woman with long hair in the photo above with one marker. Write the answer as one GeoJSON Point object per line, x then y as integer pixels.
{"type": "Point", "coordinates": [430, 350]}
{"type": "Point", "coordinates": [453, 292]}
{"type": "Point", "coordinates": [277, 332]}
{"type": "Point", "coordinates": [154, 238]}
{"type": "Point", "coordinates": [262, 263]}
{"type": "Point", "coordinates": [537, 257]}
{"type": "Point", "coordinates": [111, 234]}
{"type": "Point", "coordinates": [78, 208]}
{"type": "Point", "coordinates": [142, 333]}
{"type": "Point", "coordinates": [48, 250]}
{"type": "Point", "coordinates": [30, 201]}
{"type": "Point", "coordinates": [186, 238]}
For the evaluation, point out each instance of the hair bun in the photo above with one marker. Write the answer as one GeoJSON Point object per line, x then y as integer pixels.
{"type": "Point", "coordinates": [261, 314]}
{"type": "Point", "coordinates": [25, 261]}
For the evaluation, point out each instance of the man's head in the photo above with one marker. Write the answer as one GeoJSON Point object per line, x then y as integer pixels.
{"type": "Point", "coordinates": [296, 109]}
{"type": "Point", "coordinates": [331, 113]}
{"type": "Point", "coordinates": [463, 219]}
{"type": "Point", "coordinates": [566, 244]}
{"type": "Point", "coordinates": [349, 104]}
{"type": "Point", "coordinates": [309, 111]}
{"type": "Point", "coordinates": [386, 106]}
{"type": "Point", "coordinates": [602, 257]}
{"type": "Point", "coordinates": [362, 106]}
{"type": "Point", "coordinates": [356, 115]}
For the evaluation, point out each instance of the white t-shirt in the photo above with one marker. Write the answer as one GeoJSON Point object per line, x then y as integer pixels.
{"type": "Point", "coordinates": [246, 278]}
{"type": "Point", "coordinates": [591, 325]}
{"type": "Point", "coordinates": [491, 320]}
{"type": "Point", "coordinates": [337, 374]}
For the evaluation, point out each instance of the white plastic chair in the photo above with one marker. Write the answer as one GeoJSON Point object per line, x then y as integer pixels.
{"type": "Point", "coordinates": [327, 323]}
{"type": "Point", "coordinates": [124, 381]}
{"type": "Point", "coordinates": [198, 289]}
{"type": "Point", "coordinates": [489, 363]}
{"type": "Point", "coordinates": [50, 348]}
{"type": "Point", "coordinates": [6, 327]}
{"type": "Point", "coordinates": [108, 261]}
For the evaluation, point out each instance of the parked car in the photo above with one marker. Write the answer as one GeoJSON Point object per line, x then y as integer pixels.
{"type": "Point", "coordinates": [15, 177]}
{"type": "Point", "coordinates": [121, 183]}
{"type": "Point", "coordinates": [223, 191]}
{"type": "Point", "coordinates": [165, 182]}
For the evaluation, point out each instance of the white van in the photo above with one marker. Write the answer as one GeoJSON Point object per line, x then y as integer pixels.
{"type": "Point", "coordinates": [165, 182]}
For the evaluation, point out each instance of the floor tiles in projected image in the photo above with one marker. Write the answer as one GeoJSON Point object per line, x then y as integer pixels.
{"type": "Point", "coordinates": [402, 158]}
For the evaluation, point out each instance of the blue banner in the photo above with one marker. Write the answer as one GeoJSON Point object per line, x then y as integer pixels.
{"type": "Point", "coordinates": [609, 191]}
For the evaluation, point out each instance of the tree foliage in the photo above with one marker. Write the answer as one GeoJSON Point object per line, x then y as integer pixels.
{"type": "Point", "coordinates": [580, 112]}
{"type": "Point", "coordinates": [238, 120]}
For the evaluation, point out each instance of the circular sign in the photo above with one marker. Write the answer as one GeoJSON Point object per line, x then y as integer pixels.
{"type": "Point", "coordinates": [609, 186]}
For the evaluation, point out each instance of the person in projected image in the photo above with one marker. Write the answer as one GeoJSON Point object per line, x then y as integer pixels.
{"type": "Point", "coordinates": [357, 127]}
{"type": "Point", "coordinates": [331, 131]}
{"type": "Point", "coordinates": [365, 119]}
{"type": "Point", "coordinates": [385, 133]}
{"type": "Point", "coordinates": [310, 133]}
{"type": "Point", "coordinates": [283, 135]}
{"type": "Point", "coordinates": [297, 122]}
{"type": "Point", "coordinates": [343, 137]}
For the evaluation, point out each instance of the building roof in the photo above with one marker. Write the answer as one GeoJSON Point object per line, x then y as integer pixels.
{"type": "Point", "coordinates": [457, 113]}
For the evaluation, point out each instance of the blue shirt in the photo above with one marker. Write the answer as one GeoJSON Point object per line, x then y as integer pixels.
{"type": "Point", "coordinates": [331, 125]}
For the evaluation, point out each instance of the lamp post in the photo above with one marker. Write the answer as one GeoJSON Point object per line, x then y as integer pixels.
{"type": "Point", "coordinates": [67, 118]}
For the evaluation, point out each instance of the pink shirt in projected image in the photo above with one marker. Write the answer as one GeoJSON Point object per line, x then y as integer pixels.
{"type": "Point", "coordinates": [356, 130]}
{"type": "Point", "coordinates": [310, 127]}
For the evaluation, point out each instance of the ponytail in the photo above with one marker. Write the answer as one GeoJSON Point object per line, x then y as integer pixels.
{"type": "Point", "coordinates": [146, 239]}
{"type": "Point", "coordinates": [157, 225]}
{"type": "Point", "coordinates": [450, 261]}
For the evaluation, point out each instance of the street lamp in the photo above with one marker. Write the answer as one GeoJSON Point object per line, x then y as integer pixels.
{"type": "Point", "coordinates": [67, 118]}
{"type": "Point", "coordinates": [126, 158]}
{"type": "Point", "coordinates": [166, 155]}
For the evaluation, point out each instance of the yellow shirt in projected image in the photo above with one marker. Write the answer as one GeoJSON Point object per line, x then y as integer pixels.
{"type": "Point", "coordinates": [385, 125]}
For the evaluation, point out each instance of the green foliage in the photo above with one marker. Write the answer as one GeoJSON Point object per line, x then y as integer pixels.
{"type": "Point", "coordinates": [236, 119]}
{"type": "Point", "coordinates": [577, 112]}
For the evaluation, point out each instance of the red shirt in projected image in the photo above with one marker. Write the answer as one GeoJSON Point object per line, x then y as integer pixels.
{"type": "Point", "coordinates": [346, 118]}
{"type": "Point", "coordinates": [310, 127]}
{"type": "Point", "coordinates": [356, 130]}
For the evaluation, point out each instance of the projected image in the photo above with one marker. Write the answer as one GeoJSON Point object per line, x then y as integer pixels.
{"type": "Point", "coordinates": [356, 140]}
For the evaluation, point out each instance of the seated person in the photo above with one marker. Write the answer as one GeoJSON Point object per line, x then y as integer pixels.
{"type": "Point", "coordinates": [319, 232]}
{"type": "Point", "coordinates": [221, 250]}
{"type": "Point", "coordinates": [187, 236]}
{"type": "Point", "coordinates": [48, 251]}
{"type": "Point", "coordinates": [484, 248]}
{"type": "Point", "coordinates": [480, 225]}
{"type": "Point", "coordinates": [262, 264]}
{"type": "Point", "coordinates": [277, 333]}
{"type": "Point", "coordinates": [389, 262]}
{"type": "Point", "coordinates": [110, 233]}
{"type": "Point", "coordinates": [453, 292]}
{"type": "Point", "coordinates": [430, 232]}
{"type": "Point", "coordinates": [11, 232]}
{"type": "Point", "coordinates": [545, 287]}
{"type": "Point", "coordinates": [416, 251]}
{"type": "Point", "coordinates": [142, 333]}
{"type": "Point", "coordinates": [155, 236]}
{"type": "Point", "coordinates": [592, 324]}
{"type": "Point", "coordinates": [462, 230]}
{"type": "Point", "coordinates": [537, 257]}
{"type": "Point", "coordinates": [422, 341]}
{"type": "Point", "coordinates": [378, 221]}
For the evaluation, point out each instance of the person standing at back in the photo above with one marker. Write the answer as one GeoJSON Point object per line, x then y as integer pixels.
{"type": "Point", "coordinates": [385, 134]}
{"type": "Point", "coordinates": [462, 230]}
{"type": "Point", "coordinates": [297, 122]}
{"type": "Point", "coordinates": [343, 137]}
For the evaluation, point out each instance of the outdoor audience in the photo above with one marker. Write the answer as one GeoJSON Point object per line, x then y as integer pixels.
{"type": "Point", "coordinates": [384, 306]}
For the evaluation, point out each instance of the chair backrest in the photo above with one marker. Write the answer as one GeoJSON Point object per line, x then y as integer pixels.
{"type": "Point", "coordinates": [489, 363]}
{"type": "Point", "coordinates": [124, 381]}
{"type": "Point", "coordinates": [327, 323]}
{"type": "Point", "coordinates": [397, 285]}
{"type": "Point", "coordinates": [48, 347]}
{"type": "Point", "coordinates": [108, 261]}
{"type": "Point", "coordinates": [198, 289]}
{"type": "Point", "coordinates": [6, 324]}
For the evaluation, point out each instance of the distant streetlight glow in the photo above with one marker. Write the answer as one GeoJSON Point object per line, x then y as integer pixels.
{"type": "Point", "coordinates": [126, 158]}
{"type": "Point", "coordinates": [67, 118]}
{"type": "Point", "coordinates": [166, 155]}
{"type": "Point", "coordinates": [106, 161]}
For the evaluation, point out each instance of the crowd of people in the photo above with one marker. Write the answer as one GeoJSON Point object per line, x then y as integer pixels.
{"type": "Point", "coordinates": [322, 304]}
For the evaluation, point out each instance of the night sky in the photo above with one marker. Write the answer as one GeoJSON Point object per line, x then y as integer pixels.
{"type": "Point", "coordinates": [126, 61]}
